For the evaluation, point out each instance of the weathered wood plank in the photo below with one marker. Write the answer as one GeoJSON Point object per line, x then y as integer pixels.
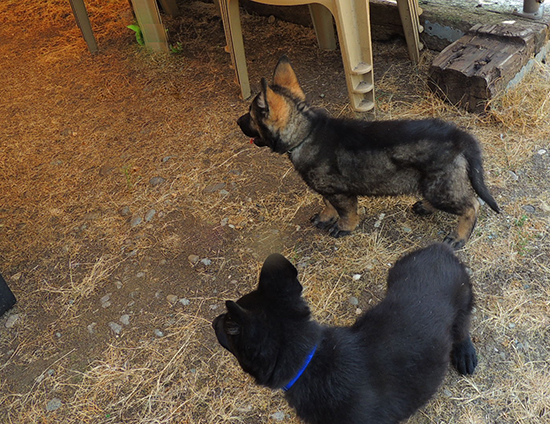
{"type": "Point", "coordinates": [478, 66]}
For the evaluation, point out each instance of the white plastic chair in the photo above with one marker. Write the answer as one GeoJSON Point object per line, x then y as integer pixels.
{"type": "Point", "coordinates": [353, 26]}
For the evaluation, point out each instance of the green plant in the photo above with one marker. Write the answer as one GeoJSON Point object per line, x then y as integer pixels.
{"type": "Point", "coordinates": [139, 34]}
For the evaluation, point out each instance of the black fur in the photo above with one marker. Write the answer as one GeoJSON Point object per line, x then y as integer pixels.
{"type": "Point", "coordinates": [379, 370]}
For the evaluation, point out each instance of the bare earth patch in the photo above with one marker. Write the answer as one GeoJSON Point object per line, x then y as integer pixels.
{"type": "Point", "coordinates": [131, 208]}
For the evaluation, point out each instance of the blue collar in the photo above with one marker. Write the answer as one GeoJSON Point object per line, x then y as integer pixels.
{"type": "Point", "coordinates": [299, 373]}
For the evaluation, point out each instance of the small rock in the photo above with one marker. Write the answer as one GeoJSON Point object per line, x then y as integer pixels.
{"type": "Point", "coordinates": [124, 211]}
{"type": "Point", "coordinates": [447, 392]}
{"type": "Point", "coordinates": [407, 229]}
{"type": "Point", "coordinates": [271, 20]}
{"type": "Point", "coordinates": [140, 274]}
{"type": "Point", "coordinates": [53, 404]}
{"type": "Point", "coordinates": [158, 333]}
{"type": "Point", "coordinates": [541, 152]}
{"type": "Point", "coordinates": [118, 284]}
{"type": "Point", "coordinates": [224, 222]}
{"type": "Point", "coordinates": [91, 327]}
{"type": "Point", "coordinates": [155, 181]}
{"type": "Point", "coordinates": [115, 327]}
{"type": "Point", "coordinates": [193, 259]}
{"type": "Point", "coordinates": [125, 319]}
{"type": "Point", "coordinates": [354, 301]}
{"type": "Point", "coordinates": [358, 311]}
{"type": "Point", "coordinates": [528, 208]}
{"type": "Point", "coordinates": [12, 319]}
{"type": "Point", "coordinates": [213, 307]}
{"type": "Point", "coordinates": [50, 372]}
{"type": "Point", "coordinates": [511, 325]}
{"type": "Point", "coordinates": [105, 298]}
{"type": "Point", "coordinates": [513, 175]}
{"type": "Point", "coordinates": [278, 416]}
{"type": "Point", "coordinates": [213, 187]}
{"type": "Point", "coordinates": [172, 298]}
{"type": "Point", "coordinates": [185, 302]}
{"type": "Point", "coordinates": [150, 214]}
{"type": "Point", "coordinates": [105, 304]}
{"type": "Point", "coordinates": [206, 261]}
{"type": "Point", "coordinates": [58, 335]}
{"type": "Point", "coordinates": [356, 277]}
{"type": "Point", "coordinates": [167, 158]}
{"type": "Point", "coordinates": [135, 221]}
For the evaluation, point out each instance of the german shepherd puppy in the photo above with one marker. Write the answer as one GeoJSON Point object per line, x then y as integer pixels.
{"type": "Point", "coordinates": [343, 158]}
{"type": "Point", "coordinates": [382, 368]}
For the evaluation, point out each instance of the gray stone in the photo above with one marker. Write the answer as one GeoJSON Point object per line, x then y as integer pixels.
{"type": "Point", "coordinates": [528, 208]}
{"type": "Point", "coordinates": [172, 298]}
{"type": "Point", "coordinates": [124, 211]}
{"type": "Point", "coordinates": [91, 327]}
{"type": "Point", "coordinates": [155, 181]}
{"type": "Point", "coordinates": [354, 301]}
{"type": "Point", "coordinates": [278, 416]}
{"type": "Point", "coordinates": [115, 327]}
{"type": "Point", "coordinates": [140, 274]}
{"type": "Point", "coordinates": [513, 175]}
{"type": "Point", "coordinates": [135, 221]}
{"type": "Point", "coordinates": [12, 319]}
{"type": "Point", "coordinates": [213, 187]}
{"type": "Point", "coordinates": [150, 214]}
{"type": "Point", "coordinates": [206, 261]}
{"type": "Point", "coordinates": [193, 259]}
{"type": "Point", "coordinates": [53, 404]}
{"type": "Point", "coordinates": [185, 301]}
{"type": "Point", "coordinates": [105, 298]}
{"type": "Point", "coordinates": [125, 319]}
{"type": "Point", "coordinates": [158, 333]}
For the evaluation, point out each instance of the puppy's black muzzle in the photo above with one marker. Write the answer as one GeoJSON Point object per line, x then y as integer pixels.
{"type": "Point", "coordinates": [217, 325]}
{"type": "Point", "coordinates": [245, 123]}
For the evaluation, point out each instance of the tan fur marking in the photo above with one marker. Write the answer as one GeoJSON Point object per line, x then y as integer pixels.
{"type": "Point", "coordinates": [328, 213]}
{"type": "Point", "coordinates": [279, 110]}
{"type": "Point", "coordinates": [467, 222]}
{"type": "Point", "coordinates": [349, 222]}
{"type": "Point", "coordinates": [285, 76]}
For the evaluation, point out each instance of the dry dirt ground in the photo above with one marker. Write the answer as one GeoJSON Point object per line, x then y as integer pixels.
{"type": "Point", "coordinates": [131, 207]}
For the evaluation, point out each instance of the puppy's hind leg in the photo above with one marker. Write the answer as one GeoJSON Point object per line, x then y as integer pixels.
{"type": "Point", "coordinates": [466, 223]}
{"type": "Point", "coordinates": [423, 208]}
{"type": "Point", "coordinates": [463, 354]}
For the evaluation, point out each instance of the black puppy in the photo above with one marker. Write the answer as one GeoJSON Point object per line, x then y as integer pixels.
{"type": "Point", "coordinates": [379, 370]}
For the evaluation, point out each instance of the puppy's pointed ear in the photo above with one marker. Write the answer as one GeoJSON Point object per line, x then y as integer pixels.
{"type": "Point", "coordinates": [278, 277]}
{"type": "Point", "coordinates": [262, 101]}
{"type": "Point", "coordinates": [237, 313]}
{"type": "Point", "coordinates": [284, 76]}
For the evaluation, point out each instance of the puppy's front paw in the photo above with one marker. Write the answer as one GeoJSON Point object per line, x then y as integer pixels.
{"type": "Point", "coordinates": [336, 232]}
{"type": "Point", "coordinates": [454, 242]}
{"type": "Point", "coordinates": [316, 220]}
{"type": "Point", "coordinates": [464, 357]}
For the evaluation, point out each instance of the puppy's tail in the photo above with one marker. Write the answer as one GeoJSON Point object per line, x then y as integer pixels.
{"type": "Point", "coordinates": [472, 152]}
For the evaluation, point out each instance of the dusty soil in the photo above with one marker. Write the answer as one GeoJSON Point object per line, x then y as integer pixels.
{"type": "Point", "coordinates": [131, 207]}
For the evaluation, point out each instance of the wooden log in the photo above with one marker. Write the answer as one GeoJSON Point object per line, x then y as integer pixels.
{"type": "Point", "coordinates": [478, 66]}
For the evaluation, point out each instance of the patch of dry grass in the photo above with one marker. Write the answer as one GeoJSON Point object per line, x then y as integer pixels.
{"type": "Point", "coordinates": [186, 376]}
